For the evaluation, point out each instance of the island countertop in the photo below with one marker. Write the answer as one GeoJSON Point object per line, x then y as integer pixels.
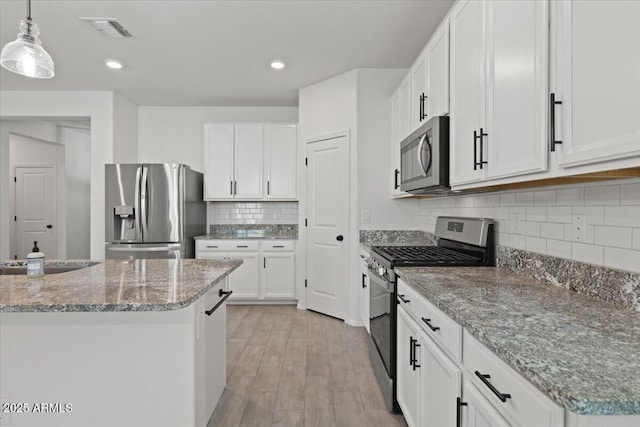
{"type": "Point", "coordinates": [580, 351]}
{"type": "Point", "coordinates": [113, 285]}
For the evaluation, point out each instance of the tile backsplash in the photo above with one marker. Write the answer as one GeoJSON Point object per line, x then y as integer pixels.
{"type": "Point", "coordinates": [252, 213]}
{"type": "Point", "coordinates": [542, 220]}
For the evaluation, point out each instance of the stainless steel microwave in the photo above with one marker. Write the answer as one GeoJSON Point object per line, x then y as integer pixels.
{"type": "Point", "coordinates": [424, 167]}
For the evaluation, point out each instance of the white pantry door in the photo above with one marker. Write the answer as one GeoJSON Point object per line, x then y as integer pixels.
{"type": "Point", "coordinates": [328, 226]}
{"type": "Point", "coordinates": [35, 210]}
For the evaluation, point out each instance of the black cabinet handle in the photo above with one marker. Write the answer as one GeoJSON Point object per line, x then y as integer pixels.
{"type": "Point", "coordinates": [268, 188]}
{"type": "Point", "coordinates": [235, 187]}
{"type": "Point", "coordinates": [364, 277]}
{"type": "Point", "coordinates": [339, 238]}
{"type": "Point", "coordinates": [478, 136]}
{"type": "Point", "coordinates": [231, 189]}
{"type": "Point", "coordinates": [410, 351]}
{"type": "Point", "coordinates": [415, 357]}
{"type": "Point", "coordinates": [485, 379]}
{"type": "Point", "coordinates": [395, 180]}
{"type": "Point", "coordinates": [552, 121]}
{"type": "Point", "coordinates": [278, 246]}
{"type": "Point", "coordinates": [222, 294]}
{"type": "Point", "coordinates": [264, 262]}
{"type": "Point", "coordinates": [459, 405]}
{"type": "Point", "coordinates": [406, 301]}
{"type": "Point", "coordinates": [428, 322]}
{"type": "Point", "coordinates": [475, 150]}
{"type": "Point", "coordinates": [49, 226]}
{"type": "Point", "coordinates": [423, 114]}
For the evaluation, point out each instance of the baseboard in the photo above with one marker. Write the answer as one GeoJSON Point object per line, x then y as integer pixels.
{"type": "Point", "coordinates": [262, 302]}
{"type": "Point", "coordinates": [355, 323]}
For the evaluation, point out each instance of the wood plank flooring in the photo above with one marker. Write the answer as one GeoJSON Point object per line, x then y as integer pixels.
{"type": "Point", "coordinates": [290, 367]}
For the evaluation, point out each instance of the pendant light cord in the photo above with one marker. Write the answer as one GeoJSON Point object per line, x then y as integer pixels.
{"type": "Point", "coordinates": [29, 10]}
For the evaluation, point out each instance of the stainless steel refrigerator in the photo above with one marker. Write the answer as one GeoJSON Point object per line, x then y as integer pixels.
{"type": "Point", "coordinates": [152, 210]}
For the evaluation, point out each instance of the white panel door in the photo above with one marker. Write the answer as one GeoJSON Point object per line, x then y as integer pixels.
{"type": "Point", "coordinates": [517, 45]}
{"type": "Point", "coordinates": [248, 161]}
{"type": "Point", "coordinates": [278, 274]}
{"type": "Point", "coordinates": [35, 210]}
{"type": "Point", "coordinates": [467, 89]}
{"type": "Point", "coordinates": [437, 59]}
{"type": "Point", "coordinates": [408, 376]}
{"type": "Point", "coordinates": [245, 280]}
{"type": "Point", "coordinates": [598, 81]}
{"type": "Point", "coordinates": [418, 74]}
{"type": "Point", "coordinates": [440, 386]}
{"type": "Point", "coordinates": [281, 143]}
{"type": "Point", "coordinates": [479, 412]}
{"type": "Point", "coordinates": [328, 226]}
{"type": "Point", "coordinates": [218, 161]}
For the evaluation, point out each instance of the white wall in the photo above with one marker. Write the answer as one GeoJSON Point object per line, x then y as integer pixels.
{"type": "Point", "coordinates": [77, 143]}
{"type": "Point", "coordinates": [98, 106]}
{"type": "Point", "coordinates": [176, 134]}
{"type": "Point", "coordinates": [545, 216]}
{"type": "Point", "coordinates": [125, 130]}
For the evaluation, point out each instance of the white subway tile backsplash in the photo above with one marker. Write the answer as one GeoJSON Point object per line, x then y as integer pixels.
{"type": "Point", "coordinates": [624, 216]}
{"type": "Point", "coordinates": [636, 238]}
{"type": "Point", "coordinates": [545, 198]}
{"type": "Point", "coordinates": [630, 194]}
{"type": "Point", "coordinates": [507, 199]}
{"type": "Point", "coordinates": [559, 248]}
{"type": "Point", "coordinates": [559, 214]}
{"type": "Point", "coordinates": [585, 252]}
{"type": "Point", "coordinates": [536, 244]}
{"type": "Point", "coordinates": [536, 214]}
{"type": "Point", "coordinates": [524, 199]}
{"type": "Point", "coordinates": [602, 195]}
{"type": "Point", "coordinates": [551, 230]}
{"type": "Point", "coordinates": [623, 259]}
{"type": "Point", "coordinates": [620, 237]}
{"type": "Point", "coordinates": [595, 214]}
{"type": "Point", "coordinates": [517, 241]}
{"type": "Point", "coordinates": [252, 213]}
{"type": "Point", "coordinates": [570, 197]}
{"type": "Point", "coordinates": [529, 228]}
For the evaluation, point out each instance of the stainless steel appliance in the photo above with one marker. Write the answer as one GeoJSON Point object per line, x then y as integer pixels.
{"type": "Point", "coordinates": [460, 242]}
{"type": "Point", "coordinates": [424, 166]}
{"type": "Point", "coordinates": [153, 210]}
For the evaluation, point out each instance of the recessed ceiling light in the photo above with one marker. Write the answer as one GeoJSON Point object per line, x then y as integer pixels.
{"type": "Point", "coordinates": [277, 64]}
{"type": "Point", "coordinates": [113, 64]}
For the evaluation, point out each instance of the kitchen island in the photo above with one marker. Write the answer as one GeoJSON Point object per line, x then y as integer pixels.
{"type": "Point", "coordinates": [114, 343]}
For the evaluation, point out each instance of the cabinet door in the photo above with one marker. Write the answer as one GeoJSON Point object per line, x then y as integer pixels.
{"type": "Point", "coordinates": [437, 59]}
{"type": "Point", "coordinates": [218, 161]}
{"type": "Point", "coordinates": [479, 412]}
{"type": "Point", "coordinates": [279, 273]}
{"type": "Point", "coordinates": [364, 302]}
{"type": "Point", "coordinates": [215, 354]}
{"type": "Point", "coordinates": [397, 110]}
{"type": "Point", "coordinates": [598, 81]}
{"type": "Point", "coordinates": [418, 74]}
{"type": "Point", "coordinates": [440, 386]}
{"type": "Point", "coordinates": [244, 281]}
{"type": "Point", "coordinates": [406, 109]}
{"type": "Point", "coordinates": [248, 161]}
{"type": "Point", "coordinates": [517, 63]}
{"type": "Point", "coordinates": [408, 377]}
{"type": "Point", "coordinates": [280, 160]}
{"type": "Point", "coordinates": [467, 89]}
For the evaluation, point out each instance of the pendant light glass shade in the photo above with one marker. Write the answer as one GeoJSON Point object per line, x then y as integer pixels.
{"type": "Point", "coordinates": [25, 55]}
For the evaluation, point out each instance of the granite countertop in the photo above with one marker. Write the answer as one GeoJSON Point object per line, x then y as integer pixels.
{"type": "Point", "coordinates": [369, 238]}
{"type": "Point", "coordinates": [582, 352]}
{"type": "Point", "coordinates": [113, 285]}
{"type": "Point", "coordinates": [248, 236]}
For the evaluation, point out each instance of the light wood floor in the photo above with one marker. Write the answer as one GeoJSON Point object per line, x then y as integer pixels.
{"type": "Point", "coordinates": [289, 367]}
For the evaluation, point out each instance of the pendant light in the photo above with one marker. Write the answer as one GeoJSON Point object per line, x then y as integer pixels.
{"type": "Point", "coordinates": [25, 55]}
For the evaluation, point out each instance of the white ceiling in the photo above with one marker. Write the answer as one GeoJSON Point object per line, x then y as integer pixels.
{"type": "Point", "coordinates": [218, 52]}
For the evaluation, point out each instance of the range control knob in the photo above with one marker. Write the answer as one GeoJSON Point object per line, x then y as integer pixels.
{"type": "Point", "coordinates": [382, 271]}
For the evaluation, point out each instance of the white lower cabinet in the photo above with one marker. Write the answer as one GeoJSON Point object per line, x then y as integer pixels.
{"type": "Point", "coordinates": [364, 294]}
{"type": "Point", "coordinates": [476, 411]}
{"type": "Point", "coordinates": [267, 272]}
{"type": "Point", "coordinates": [407, 373]}
{"type": "Point", "coordinates": [215, 365]}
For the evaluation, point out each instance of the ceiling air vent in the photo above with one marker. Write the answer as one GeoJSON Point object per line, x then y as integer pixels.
{"type": "Point", "coordinates": [108, 27]}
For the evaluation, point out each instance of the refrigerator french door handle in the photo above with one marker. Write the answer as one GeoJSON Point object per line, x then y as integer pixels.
{"type": "Point", "coordinates": [137, 207]}
{"type": "Point", "coordinates": [143, 201]}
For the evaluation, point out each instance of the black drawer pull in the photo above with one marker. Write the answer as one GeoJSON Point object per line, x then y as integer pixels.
{"type": "Point", "coordinates": [242, 246]}
{"type": "Point", "coordinates": [395, 180]}
{"type": "Point", "coordinates": [485, 379]}
{"type": "Point", "coordinates": [459, 405]}
{"type": "Point", "coordinates": [211, 246]}
{"type": "Point", "coordinates": [364, 277]}
{"type": "Point", "coordinates": [552, 121]}
{"type": "Point", "coordinates": [224, 295]}
{"type": "Point", "coordinates": [406, 301]}
{"type": "Point", "coordinates": [415, 358]}
{"type": "Point", "coordinates": [278, 246]}
{"type": "Point", "coordinates": [428, 322]}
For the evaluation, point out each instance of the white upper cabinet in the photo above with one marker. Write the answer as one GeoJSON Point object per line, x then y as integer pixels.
{"type": "Point", "coordinates": [468, 59]}
{"type": "Point", "coordinates": [499, 70]}
{"type": "Point", "coordinates": [400, 117]}
{"type": "Point", "coordinates": [597, 65]}
{"type": "Point", "coordinates": [218, 161]}
{"type": "Point", "coordinates": [248, 161]}
{"type": "Point", "coordinates": [406, 109]}
{"type": "Point", "coordinates": [418, 76]}
{"type": "Point", "coordinates": [280, 159]}
{"type": "Point", "coordinates": [437, 59]}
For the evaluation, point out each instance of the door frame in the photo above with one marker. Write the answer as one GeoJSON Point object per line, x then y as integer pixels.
{"type": "Point", "coordinates": [353, 270]}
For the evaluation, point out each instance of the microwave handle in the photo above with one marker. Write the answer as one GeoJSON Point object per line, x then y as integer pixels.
{"type": "Point", "coordinates": [420, 145]}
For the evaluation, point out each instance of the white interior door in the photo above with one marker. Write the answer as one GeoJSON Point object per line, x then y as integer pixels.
{"type": "Point", "coordinates": [328, 226]}
{"type": "Point", "coordinates": [35, 210]}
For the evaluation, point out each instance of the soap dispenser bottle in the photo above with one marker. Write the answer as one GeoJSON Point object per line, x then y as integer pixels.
{"type": "Point", "coordinates": [35, 262]}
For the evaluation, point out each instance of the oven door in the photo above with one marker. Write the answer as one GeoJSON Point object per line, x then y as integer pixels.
{"type": "Point", "coordinates": [382, 317]}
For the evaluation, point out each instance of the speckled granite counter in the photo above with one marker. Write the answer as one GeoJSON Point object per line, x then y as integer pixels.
{"type": "Point", "coordinates": [114, 285]}
{"type": "Point", "coordinates": [247, 236]}
{"type": "Point", "coordinates": [370, 238]}
{"type": "Point", "coordinates": [582, 352]}
{"type": "Point", "coordinates": [251, 232]}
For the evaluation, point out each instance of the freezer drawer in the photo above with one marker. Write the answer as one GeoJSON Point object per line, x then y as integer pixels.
{"type": "Point", "coordinates": [145, 251]}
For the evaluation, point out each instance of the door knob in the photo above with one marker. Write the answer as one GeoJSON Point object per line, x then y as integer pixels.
{"type": "Point", "coordinates": [49, 226]}
{"type": "Point", "coordinates": [339, 238]}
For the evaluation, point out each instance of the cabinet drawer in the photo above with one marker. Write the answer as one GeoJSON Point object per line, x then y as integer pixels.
{"type": "Point", "coordinates": [278, 245]}
{"type": "Point", "coordinates": [443, 330]}
{"type": "Point", "coordinates": [226, 245]}
{"type": "Point", "coordinates": [527, 405]}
